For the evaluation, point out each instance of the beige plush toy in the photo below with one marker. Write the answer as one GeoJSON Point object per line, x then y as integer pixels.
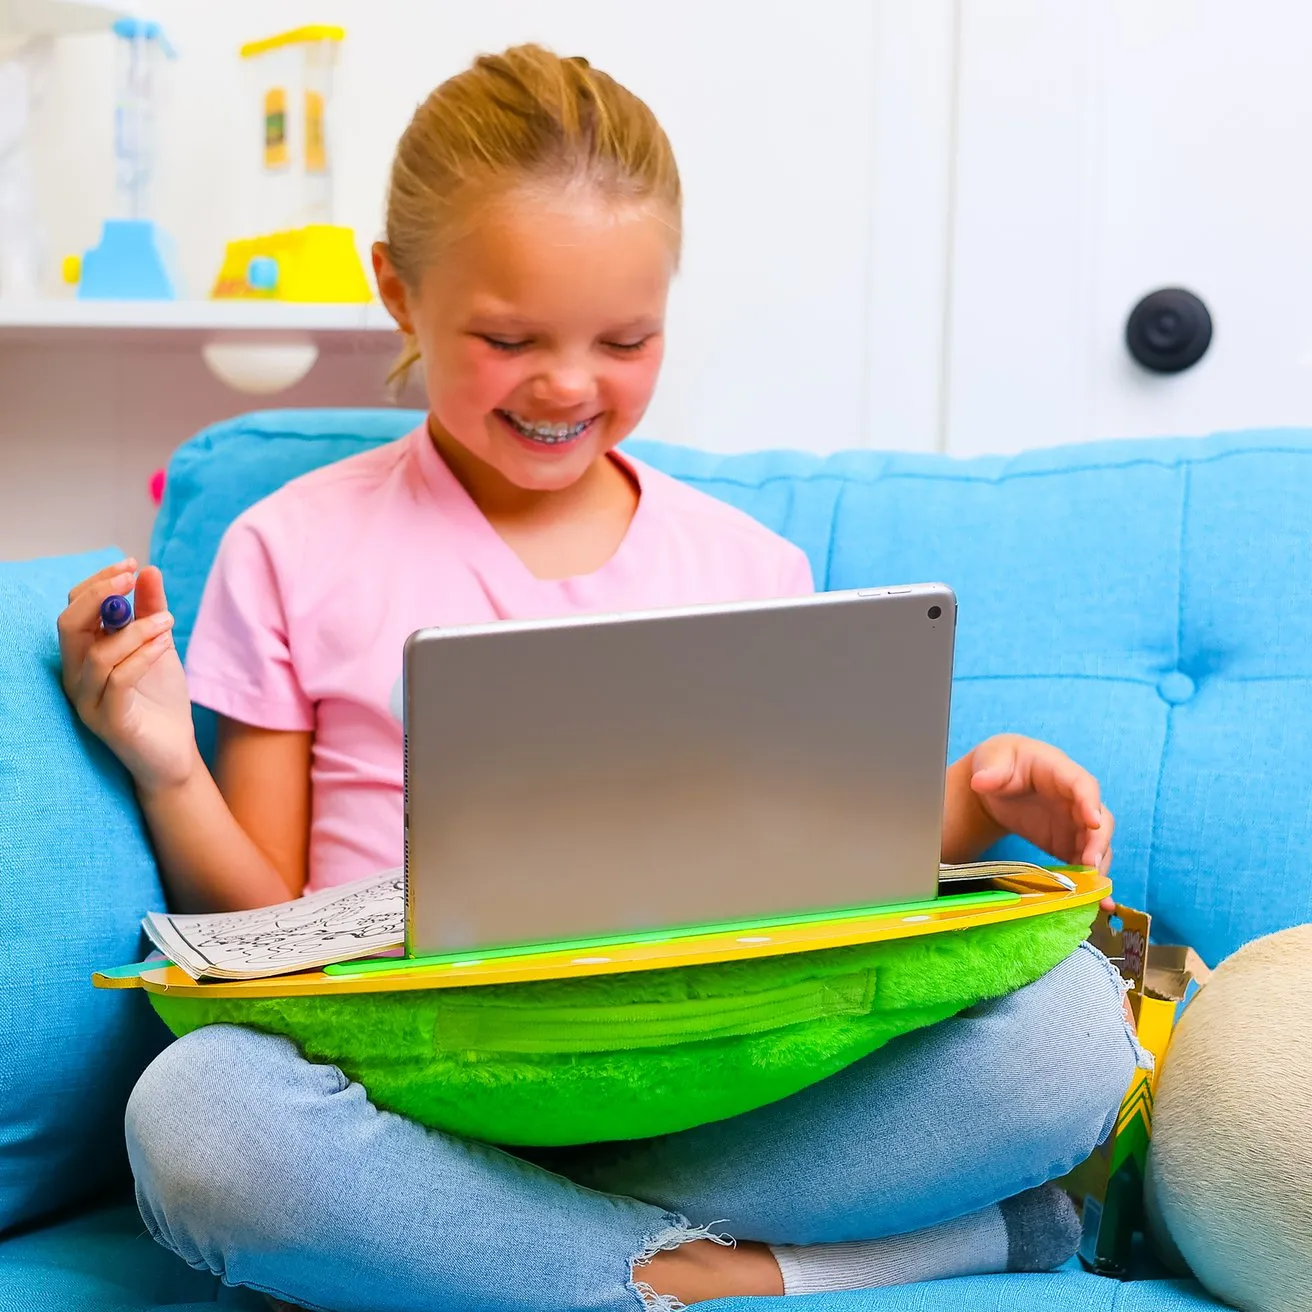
{"type": "Point", "coordinates": [1230, 1170]}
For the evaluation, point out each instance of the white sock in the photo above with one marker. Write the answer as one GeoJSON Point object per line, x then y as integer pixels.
{"type": "Point", "coordinates": [1035, 1231]}
{"type": "Point", "coordinates": [970, 1245]}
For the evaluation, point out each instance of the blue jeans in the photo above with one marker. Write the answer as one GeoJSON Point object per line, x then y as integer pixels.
{"type": "Point", "coordinates": [278, 1174]}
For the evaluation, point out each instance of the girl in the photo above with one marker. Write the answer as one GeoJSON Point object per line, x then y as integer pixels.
{"type": "Point", "coordinates": [533, 226]}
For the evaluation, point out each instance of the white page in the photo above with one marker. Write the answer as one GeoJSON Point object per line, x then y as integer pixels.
{"type": "Point", "coordinates": [364, 917]}
{"type": "Point", "coordinates": [947, 874]}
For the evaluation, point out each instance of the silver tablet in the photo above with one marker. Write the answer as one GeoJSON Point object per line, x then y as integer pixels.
{"type": "Point", "coordinates": [596, 776]}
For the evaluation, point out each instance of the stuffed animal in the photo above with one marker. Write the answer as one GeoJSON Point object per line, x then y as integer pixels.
{"type": "Point", "coordinates": [1230, 1169]}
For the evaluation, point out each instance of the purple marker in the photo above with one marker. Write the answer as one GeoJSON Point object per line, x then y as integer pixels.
{"type": "Point", "coordinates": [115, 614]}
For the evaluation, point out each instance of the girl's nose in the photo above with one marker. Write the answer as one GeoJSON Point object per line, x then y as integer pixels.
{"type": "Point", "coordinates": [564, 385]}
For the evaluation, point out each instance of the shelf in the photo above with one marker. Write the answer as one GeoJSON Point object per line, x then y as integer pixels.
{"type": "Point", "coordinates": [56, 322]}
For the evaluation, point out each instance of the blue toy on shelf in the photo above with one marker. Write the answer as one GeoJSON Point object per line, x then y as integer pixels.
{"type": "Point", "coordinates": [135, 259]}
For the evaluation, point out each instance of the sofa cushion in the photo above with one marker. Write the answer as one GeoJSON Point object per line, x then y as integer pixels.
{"type": "Point", "coordinates": [1062, 1291]}
{"type": "Point", "coordinates": [104, 1261]}
{"type": "Point", "coordinates": [78, 876]}
{"type": "Point", "coordinates": [1137, 603]}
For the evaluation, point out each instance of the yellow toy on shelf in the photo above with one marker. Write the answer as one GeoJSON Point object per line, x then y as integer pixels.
{"type": "Point", "coordinates": [300, 254]}
{"type": "Point", "coordinates": [315, 263]}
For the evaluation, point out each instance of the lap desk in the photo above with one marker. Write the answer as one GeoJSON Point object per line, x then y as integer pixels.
{"type": "Point", "coordinates": [649, 1034]}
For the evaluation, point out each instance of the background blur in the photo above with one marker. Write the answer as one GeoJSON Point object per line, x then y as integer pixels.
{"type": "Point", "coordinates": [917, 224]}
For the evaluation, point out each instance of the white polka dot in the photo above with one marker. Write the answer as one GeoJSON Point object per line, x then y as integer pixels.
{"type": "Point", "coordinates": [755, 938]}
{"type": "Point", "coordinates": [915, 920]}
{"type": "Point", "coordinates": [589, 961]}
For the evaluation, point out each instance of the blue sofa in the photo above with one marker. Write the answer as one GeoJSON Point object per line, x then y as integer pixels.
{"type": "Point", "coordinates": [1138, 603]}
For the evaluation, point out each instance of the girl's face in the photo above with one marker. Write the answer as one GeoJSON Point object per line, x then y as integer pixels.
{"type": "Point", "coordinates": [541, 334]}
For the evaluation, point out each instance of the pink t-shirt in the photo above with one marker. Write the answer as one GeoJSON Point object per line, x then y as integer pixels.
{"type": "Point", "coordinates": [316, 588]}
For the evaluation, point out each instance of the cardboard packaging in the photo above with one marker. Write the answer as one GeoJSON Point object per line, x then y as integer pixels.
{"type": "Point", "coordinates": [1108, 1187]}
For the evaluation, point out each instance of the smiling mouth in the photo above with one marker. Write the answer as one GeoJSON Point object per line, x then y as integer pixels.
{"type": "Point", "coordinates": [547, 434]}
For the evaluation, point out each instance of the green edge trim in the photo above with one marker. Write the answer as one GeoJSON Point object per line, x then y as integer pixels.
{"type": "Point", "coordinates": [376, 965]}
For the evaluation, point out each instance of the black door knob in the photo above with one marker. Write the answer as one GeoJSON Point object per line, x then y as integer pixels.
{"type": "Point", "coordinates": [1169, 330]}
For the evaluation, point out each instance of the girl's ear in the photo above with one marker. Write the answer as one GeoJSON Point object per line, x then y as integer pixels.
{"type": "Point", "coordinates": [391, 289]}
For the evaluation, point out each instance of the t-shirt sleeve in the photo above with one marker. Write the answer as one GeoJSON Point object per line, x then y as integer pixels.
{"type": "Point", "coordinates": [797, 580]}
{"type": "Point", "coordinates": [239, 660]}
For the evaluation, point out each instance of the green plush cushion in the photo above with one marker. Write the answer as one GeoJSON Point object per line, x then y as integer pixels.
{"type": "Point", "coordinates": [633, 1055]}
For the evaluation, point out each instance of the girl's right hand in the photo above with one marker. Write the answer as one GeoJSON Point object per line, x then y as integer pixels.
{"type": "Point", "coordinates": [129, 687]}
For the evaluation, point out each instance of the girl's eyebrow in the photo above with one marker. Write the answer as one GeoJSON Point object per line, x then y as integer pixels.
{"type": "Point", "coordinates": [505, 322]}
{"type": "Point", "coordinates": [500, 319]}
{"type": "Point", "coordinates": [646, 324]}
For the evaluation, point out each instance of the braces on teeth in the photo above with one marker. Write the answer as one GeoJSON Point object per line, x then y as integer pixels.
{"type": "Point", "coordinates": [548, 433]}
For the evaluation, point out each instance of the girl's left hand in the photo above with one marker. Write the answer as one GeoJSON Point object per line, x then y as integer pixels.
{"type": "Point", "coordinates": [1034, 790]}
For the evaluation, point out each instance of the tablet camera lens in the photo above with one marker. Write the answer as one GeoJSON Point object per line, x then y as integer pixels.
{"type": "Point", "coordinates": [935, 612]}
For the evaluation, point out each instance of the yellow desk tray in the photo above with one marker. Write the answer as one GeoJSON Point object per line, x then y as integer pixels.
{"type": "Point", "coordinates": [1014, 897]}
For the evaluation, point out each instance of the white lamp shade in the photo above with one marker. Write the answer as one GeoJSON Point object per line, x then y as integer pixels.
{"type": "Point", "coordinates": [260, 367]}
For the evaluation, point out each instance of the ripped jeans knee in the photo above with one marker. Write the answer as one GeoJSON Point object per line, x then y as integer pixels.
{"type": "Point", "coordinates": [676, 1233]}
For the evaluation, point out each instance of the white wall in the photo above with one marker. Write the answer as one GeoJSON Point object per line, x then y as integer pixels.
{"type": "Point", "coordinates": [83, 426]}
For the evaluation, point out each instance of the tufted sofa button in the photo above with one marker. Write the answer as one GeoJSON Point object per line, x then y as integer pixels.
{"type": "Point", "coordinates": [1176, 687]}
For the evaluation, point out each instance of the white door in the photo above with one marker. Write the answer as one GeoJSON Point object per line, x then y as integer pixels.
{"type": "Point", "coordinates": [1107, 149]}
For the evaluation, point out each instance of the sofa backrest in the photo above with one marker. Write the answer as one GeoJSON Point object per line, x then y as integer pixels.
{"type": "Point", "coordinates": [1138, 603]}
{"type": "Point", "coordinates": [77, 875]}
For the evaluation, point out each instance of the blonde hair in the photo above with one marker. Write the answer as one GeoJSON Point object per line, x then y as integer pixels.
{"type": "Point", "coordinates": [524, 121]}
